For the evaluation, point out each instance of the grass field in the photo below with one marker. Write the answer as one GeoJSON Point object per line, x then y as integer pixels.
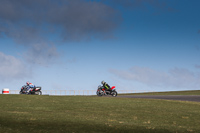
{"type": "Point", "coordinates": [75, 114]}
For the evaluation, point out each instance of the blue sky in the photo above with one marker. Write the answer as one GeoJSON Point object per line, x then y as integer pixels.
{"type": "Point", "coordinates": [151, 45]}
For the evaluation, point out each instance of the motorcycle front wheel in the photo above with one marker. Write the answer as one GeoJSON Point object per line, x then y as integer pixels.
{"type": "Point", "coordinates": [99, 94]}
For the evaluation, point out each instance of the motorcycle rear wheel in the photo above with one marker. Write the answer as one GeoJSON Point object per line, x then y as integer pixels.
{"type": "Point", "coordinates": [40, 92]}
{"type": "Point", "coordinates": [114, 94]}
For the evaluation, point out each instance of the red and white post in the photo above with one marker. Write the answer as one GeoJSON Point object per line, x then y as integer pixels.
{"type": "Point", "coordinates": [5, 91]}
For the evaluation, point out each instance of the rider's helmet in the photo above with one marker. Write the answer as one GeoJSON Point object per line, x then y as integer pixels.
{"type": "Point", "coordinates": [27, 83]}
{"type": "Point", "coordinates": [102, 82]}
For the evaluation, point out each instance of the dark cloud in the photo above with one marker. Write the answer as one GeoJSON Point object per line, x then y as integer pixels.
{"type": "Point", "coordinates": [38, 24]}
{"type": "Point", "coordinates": [74, 20]}
{"type": "Point", "coordinates": [41, 54]}
{"type": "Point", "coordinates": [34, 23]}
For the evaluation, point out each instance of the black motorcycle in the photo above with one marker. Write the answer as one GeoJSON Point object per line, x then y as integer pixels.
{"type": "Point", "coordinates": [33, 91]}
{"type": "Point", "coordinates": [101, 89]}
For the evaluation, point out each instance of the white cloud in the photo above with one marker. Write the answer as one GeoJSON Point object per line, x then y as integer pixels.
{"type": "Point", "coordinates": [176, 77]}
{"type": "Point", "coordinates": [12, 68]}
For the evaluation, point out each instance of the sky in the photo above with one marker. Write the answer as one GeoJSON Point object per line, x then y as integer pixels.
{"type": "Point", "coordinates": [151, 45]}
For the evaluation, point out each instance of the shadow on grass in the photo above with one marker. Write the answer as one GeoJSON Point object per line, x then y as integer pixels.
{"type": "Point", "coordinates": [15, 126]}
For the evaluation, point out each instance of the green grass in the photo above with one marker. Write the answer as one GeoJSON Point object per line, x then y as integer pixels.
{"type": "Point", "coordinates": [75, 114]}
{"type": "Point", "coordinates": [193, 92]}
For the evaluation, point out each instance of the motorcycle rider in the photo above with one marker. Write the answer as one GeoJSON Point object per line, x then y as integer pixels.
{"type": "Point", "coordinates": [29, 86]}
{"type": "Point", "coordinates": [106, 86]}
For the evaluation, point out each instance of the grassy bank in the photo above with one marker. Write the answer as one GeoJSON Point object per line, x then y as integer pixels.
{"type": "Point", "coordinates": [50, 114]}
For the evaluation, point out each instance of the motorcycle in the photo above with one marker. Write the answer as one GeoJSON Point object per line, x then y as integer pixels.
{"type": "Point", "coordinates": [101, 89]}
{"type": "Point", "coordinates": [33, 91]}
